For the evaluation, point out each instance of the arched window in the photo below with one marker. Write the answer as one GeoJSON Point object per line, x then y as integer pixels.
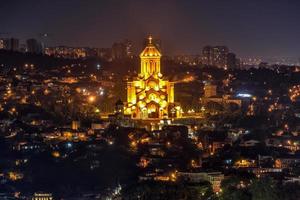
{"type": "Point", "coordinates": [152, 97]}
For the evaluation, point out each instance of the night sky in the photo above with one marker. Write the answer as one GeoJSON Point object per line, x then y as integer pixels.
{"type": "Point", "coordinates": [263, 28]}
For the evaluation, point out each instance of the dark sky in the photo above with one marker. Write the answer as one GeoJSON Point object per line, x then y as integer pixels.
{"type": "Point", "coordinates": [263, 28]}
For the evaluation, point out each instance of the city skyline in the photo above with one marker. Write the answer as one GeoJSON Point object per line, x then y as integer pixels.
{"type": "Point", "coordinates": [251, 29]}
{"type": "Point", "coordinates": [142, 100]}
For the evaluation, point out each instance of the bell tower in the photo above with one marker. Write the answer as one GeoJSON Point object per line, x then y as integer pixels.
{"type": "Point", "coordinates": [150, 60]}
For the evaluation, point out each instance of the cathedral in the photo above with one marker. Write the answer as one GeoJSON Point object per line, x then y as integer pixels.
{"type": "Point", "coordinates": [150, 96]}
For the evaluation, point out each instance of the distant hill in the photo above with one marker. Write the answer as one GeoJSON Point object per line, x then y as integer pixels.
{"type": "Point", "coordinates": [18, 59]}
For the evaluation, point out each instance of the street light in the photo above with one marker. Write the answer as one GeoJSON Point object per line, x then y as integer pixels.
{"type": "Point", "coordinates": [91, 99]}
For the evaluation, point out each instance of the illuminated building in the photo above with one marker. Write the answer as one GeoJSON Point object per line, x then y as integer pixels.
{"type": "Point", "coordinates": [11, 44]}
{"type": "Point", "coordinates": [215, 178]}
{"type": "Point", "coordinates": [2, 46]}
{"type": "Point", "coordinates": [216, 56]}
{"type": "Point", "coordinates": [75, 125]}
{"type": "Point", "coordinates": [14, 176]}
{"type": "Point", "coordinates": [244, 163]}
{"type": "Point", "coordinates": [42, 196]}
{"type": "Point", "coordinates": [66, 52]}
{"type": "Point", "coordinates": [150, 96]}
{"type": "Point", "coordinates": [211, 95]}
{"type": "Point", "coordinates": [210, 90]}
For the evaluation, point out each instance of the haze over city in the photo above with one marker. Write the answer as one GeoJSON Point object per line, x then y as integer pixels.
{"type": "Point", "coordinates": [250, 28]}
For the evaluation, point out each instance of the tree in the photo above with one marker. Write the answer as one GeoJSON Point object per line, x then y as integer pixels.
{"type": "Point", "coordinates": [232, 189]}
{"type": "Point", "coordinates": [168, 191]}
{"type": "Point", "coordinates": [199, 191]}
{"type": "Point", "coordinates": [290, 191]}
{"type": "Point", "coordinates": [264, 189]}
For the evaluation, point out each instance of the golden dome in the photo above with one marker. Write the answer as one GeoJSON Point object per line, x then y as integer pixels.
{"type": "Point", "coordinates": [150, 50]}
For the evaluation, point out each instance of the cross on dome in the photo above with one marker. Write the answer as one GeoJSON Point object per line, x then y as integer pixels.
{"type": "Point", "coordinates": [150, 39]}
{"type": "Point", "coordinates": [150, 49]}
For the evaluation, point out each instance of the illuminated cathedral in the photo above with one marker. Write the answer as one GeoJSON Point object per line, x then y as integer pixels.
{"type": "Point", "coordinates": [150, 96]}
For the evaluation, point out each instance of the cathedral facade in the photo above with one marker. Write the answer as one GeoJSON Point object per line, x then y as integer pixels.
{"type": "Point", "coordinates": [150, 96]}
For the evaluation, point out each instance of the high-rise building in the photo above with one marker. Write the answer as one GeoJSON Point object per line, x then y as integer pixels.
{"type": "Point", "coordinates": [122, 50]}
{"type": "Point", "coordinates": [232, 61]}
{"type": "Point", "coordinates": [34, 46]}
{"type": "Point", "coordinates": [104, 53]}
{"type": "Point", "coordinates": [118, 51]}
{"type": "Point", "coordinates": [11, 44]}
{"type": "Point", "coordinates": [23, 48]}
{"type": "Point", "coordinates": [216, 56]}
{"type": "Point", "coordinates": [2, 44]}
{"type": "Point", "coordinates": [150, 96]}
{"type": "Point", "coordinates": [128, 48]}
{"type": "Point", "coordinates": [207, 55]}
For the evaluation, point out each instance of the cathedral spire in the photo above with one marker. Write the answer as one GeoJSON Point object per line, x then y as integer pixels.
{"type": "Point", "coordinates": [150, 39]}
